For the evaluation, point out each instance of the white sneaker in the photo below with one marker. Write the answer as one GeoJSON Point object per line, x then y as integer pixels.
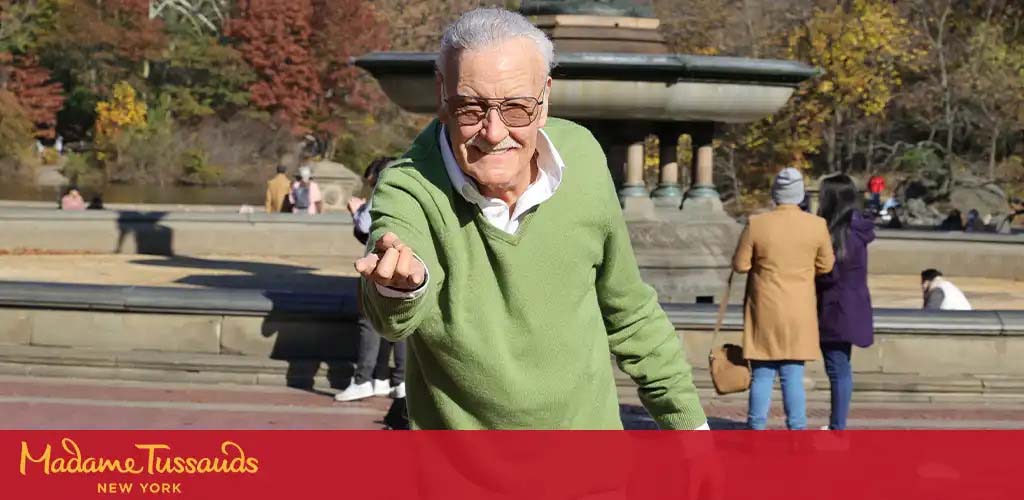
{"type": "Point", "coordinates": [355, 392]}
{"type": "Point", "coordinates": [381, 387]}
{"type": "Point", "coordinates": [398, 392]}
{"type": "Point", "coordinates": [823, 428]}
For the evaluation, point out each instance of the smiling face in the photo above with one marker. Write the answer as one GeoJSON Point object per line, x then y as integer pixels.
{"type": "Point", "coordinates": [497, 156]}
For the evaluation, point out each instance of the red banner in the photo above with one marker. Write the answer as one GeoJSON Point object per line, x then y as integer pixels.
{"type": "Point", "coordinates": [513, 465]}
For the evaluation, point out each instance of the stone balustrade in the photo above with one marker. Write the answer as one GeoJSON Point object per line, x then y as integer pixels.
{"type": "Point", "coordinates": [294, 326]}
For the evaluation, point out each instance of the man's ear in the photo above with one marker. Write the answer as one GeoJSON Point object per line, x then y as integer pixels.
{"type": "Point", "coordinates": [438, 88]}
{"type": "Point", "coordinates": [543, 118]}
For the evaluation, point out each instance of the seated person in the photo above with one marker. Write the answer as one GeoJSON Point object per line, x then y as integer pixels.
{"type": "Point", "coordinates": [940, 294]}
{"type": "Point", "coordinates": [953, 222]}
{"type": "Point", "coordinates": [72, 200]}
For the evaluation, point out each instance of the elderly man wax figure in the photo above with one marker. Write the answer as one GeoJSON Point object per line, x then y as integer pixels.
{"type": "Point", "coordinates": [498, 249]}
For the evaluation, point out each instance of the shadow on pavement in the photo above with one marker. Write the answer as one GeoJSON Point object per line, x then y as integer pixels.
{"type": "Point", "coordinates": [258, 275]}
{"type": "Point", "coordinates": [150, 237]}
{"type": "Point", "coordinates": [307, 335]}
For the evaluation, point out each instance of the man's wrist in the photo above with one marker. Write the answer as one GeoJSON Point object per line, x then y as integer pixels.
{"type": "Point", "coordinates": [398, 293]}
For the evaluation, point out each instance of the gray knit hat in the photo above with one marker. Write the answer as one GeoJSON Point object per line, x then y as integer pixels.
{"type": "Point", "coordinates": [788, 188]}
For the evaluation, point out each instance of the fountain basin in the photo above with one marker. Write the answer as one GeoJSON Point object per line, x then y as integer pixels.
{"type": "Point", "coordinates": [654, 87]}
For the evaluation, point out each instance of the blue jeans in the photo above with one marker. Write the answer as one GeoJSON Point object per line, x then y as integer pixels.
{"type": "Point", "coordinates": [793, 398]}
{"type": "Point", "coordinates": [840, 378]}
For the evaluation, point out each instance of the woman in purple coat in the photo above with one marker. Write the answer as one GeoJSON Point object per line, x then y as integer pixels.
{"type": "Point", "coordinates": [844, 303]}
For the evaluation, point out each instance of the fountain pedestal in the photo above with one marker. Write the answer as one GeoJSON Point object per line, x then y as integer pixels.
{"type": "Point", "coordinates": [337, 184]}
{"type": "Point", "coordinates": [685, 253]}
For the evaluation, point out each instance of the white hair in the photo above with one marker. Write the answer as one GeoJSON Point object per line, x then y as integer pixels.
{"type": "Point", "coordinates": [485, 27]}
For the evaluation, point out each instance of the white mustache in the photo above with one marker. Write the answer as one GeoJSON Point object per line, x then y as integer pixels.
{"type": "Point", "coordinates": [507, 143]}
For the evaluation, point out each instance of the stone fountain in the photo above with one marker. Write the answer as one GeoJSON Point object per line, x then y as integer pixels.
{"type": "Point", "coordinates": [615, 76]}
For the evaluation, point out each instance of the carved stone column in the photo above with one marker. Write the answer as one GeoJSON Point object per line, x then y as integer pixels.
{"type": "Point", "coordinates": [702, 193]}
{"type": "Point", "coordinates": [668, 193]}
{"type": "Point", "coordinates": [636, 201]}
{"type": "Point", "coordinates": [633, 185]}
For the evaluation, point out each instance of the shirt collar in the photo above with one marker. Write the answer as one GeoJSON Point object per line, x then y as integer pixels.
{"type": "Point", "coordinates": [549, 164]}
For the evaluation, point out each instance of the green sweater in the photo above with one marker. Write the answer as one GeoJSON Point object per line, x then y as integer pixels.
{"type": "Point", "coordinates": [514, 331]}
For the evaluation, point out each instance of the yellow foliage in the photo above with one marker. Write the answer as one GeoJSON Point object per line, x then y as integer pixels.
{"type": "Point", "coordinates": [122, 111]}
{"type": "Point", "coordinates": [861, 52]}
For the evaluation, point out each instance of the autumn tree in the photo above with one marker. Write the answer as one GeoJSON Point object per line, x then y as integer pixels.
{"type": "Point", "coordinates": [417, 26]}
{"type": "Point", "coordinates": [696, 26]}
{"type": "Point", "coordinates": [92, 46]}
{"type": "Point", "coordinates": [301, 52]}
{"type": "Point", "coordinates": [275, 39]}
{"type": "Point", "coordinates": [342, 30]}
{"type": "Point", "coordinates": [39, 96]}
{"type": "Point", "coordinates": [862, 49]}
{"type": "Point", "coordinates": [23, 26]}
{"type": "Point", "coordinates": [121, 113]}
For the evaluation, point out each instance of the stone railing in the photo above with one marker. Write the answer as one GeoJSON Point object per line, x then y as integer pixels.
{"type": "Point", "coordinates": [179, 233]}
{"type": "Point", "coordinates": [284, 325]}
{"type": "Point", "coordinates": [262, 234]}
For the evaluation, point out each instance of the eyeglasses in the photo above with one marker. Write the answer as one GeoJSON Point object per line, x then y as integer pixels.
{"type": "Point", "coordinates": [514, 111]}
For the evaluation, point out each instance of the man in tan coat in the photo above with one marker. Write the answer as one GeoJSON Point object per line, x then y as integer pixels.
{"type": "Point", "coordinates": [277, 190]}
{"type": "Point", "coordinates": [782, 250]}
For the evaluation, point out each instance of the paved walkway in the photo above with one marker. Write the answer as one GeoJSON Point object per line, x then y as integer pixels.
{"type": "Point", "coordinates": [315, 273]}
{"type": "Point", "coordinates": [55, 403]}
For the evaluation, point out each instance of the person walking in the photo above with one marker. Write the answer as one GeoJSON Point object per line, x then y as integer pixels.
{"type": "Point", "coordinates": [278, 189]}
{"type": "Point", "coordinates": [844, 302]}
{"type": "Point", "coordinates": [305, 194]}
{"type": "Point", "coordinates": [373, 376]}
{"type": "Point", "coordinates": [782, 250]}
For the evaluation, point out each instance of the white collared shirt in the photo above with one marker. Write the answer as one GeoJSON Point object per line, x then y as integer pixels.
{"type": "Point", "coordinates": [496, 211]}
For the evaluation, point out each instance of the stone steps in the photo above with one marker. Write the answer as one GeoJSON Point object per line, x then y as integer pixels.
{"type": "Point", "coordinates": [153, 366]}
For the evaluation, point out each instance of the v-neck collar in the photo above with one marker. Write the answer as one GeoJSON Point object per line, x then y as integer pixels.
{"type": "Point", "coordinates": [551, 169]}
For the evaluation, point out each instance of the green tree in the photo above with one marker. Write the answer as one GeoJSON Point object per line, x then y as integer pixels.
{"type": "Point", "coordinates": [992, 82]}
{"type": "Point", "coordinates": [202, 77]}
{"type": "Point", "coordinates": [15, 127]}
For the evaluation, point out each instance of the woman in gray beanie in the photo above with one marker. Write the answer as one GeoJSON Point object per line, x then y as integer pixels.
{"type": "Point", "coordinates": [783, 250]}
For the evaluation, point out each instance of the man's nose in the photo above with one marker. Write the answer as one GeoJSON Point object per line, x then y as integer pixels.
{"type": "Point", "coordinates": [494, 130]}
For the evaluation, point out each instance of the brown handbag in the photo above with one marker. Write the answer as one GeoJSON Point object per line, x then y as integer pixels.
{"type": "Point", "coordinates": [730, 372]}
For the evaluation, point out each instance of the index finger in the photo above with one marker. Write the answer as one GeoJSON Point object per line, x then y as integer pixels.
{"type": "Point", "coordinates": [388, 240]}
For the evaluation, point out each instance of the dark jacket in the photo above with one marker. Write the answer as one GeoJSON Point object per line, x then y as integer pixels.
{"type": "Point", "coordinates": [844, 303]}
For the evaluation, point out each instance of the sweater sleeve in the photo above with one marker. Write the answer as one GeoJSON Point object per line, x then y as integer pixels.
{"type": "Point", "coordinates": [641, 337]}
{"type": "Point", "coordinates": [395, 209]}
{"type": "Point", "coordinates": [742, 260]}
{"type": "Point", "coordinates": [933, 299]}
{"type": "Point", "coordinates": [361, 222]}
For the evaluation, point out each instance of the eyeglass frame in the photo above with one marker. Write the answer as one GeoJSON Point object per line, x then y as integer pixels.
{"type": "Point", "coordinates": [501, 100]}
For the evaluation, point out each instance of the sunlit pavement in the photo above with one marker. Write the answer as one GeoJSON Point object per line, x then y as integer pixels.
{"type": "Point", "coordinates": [55, 403]}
